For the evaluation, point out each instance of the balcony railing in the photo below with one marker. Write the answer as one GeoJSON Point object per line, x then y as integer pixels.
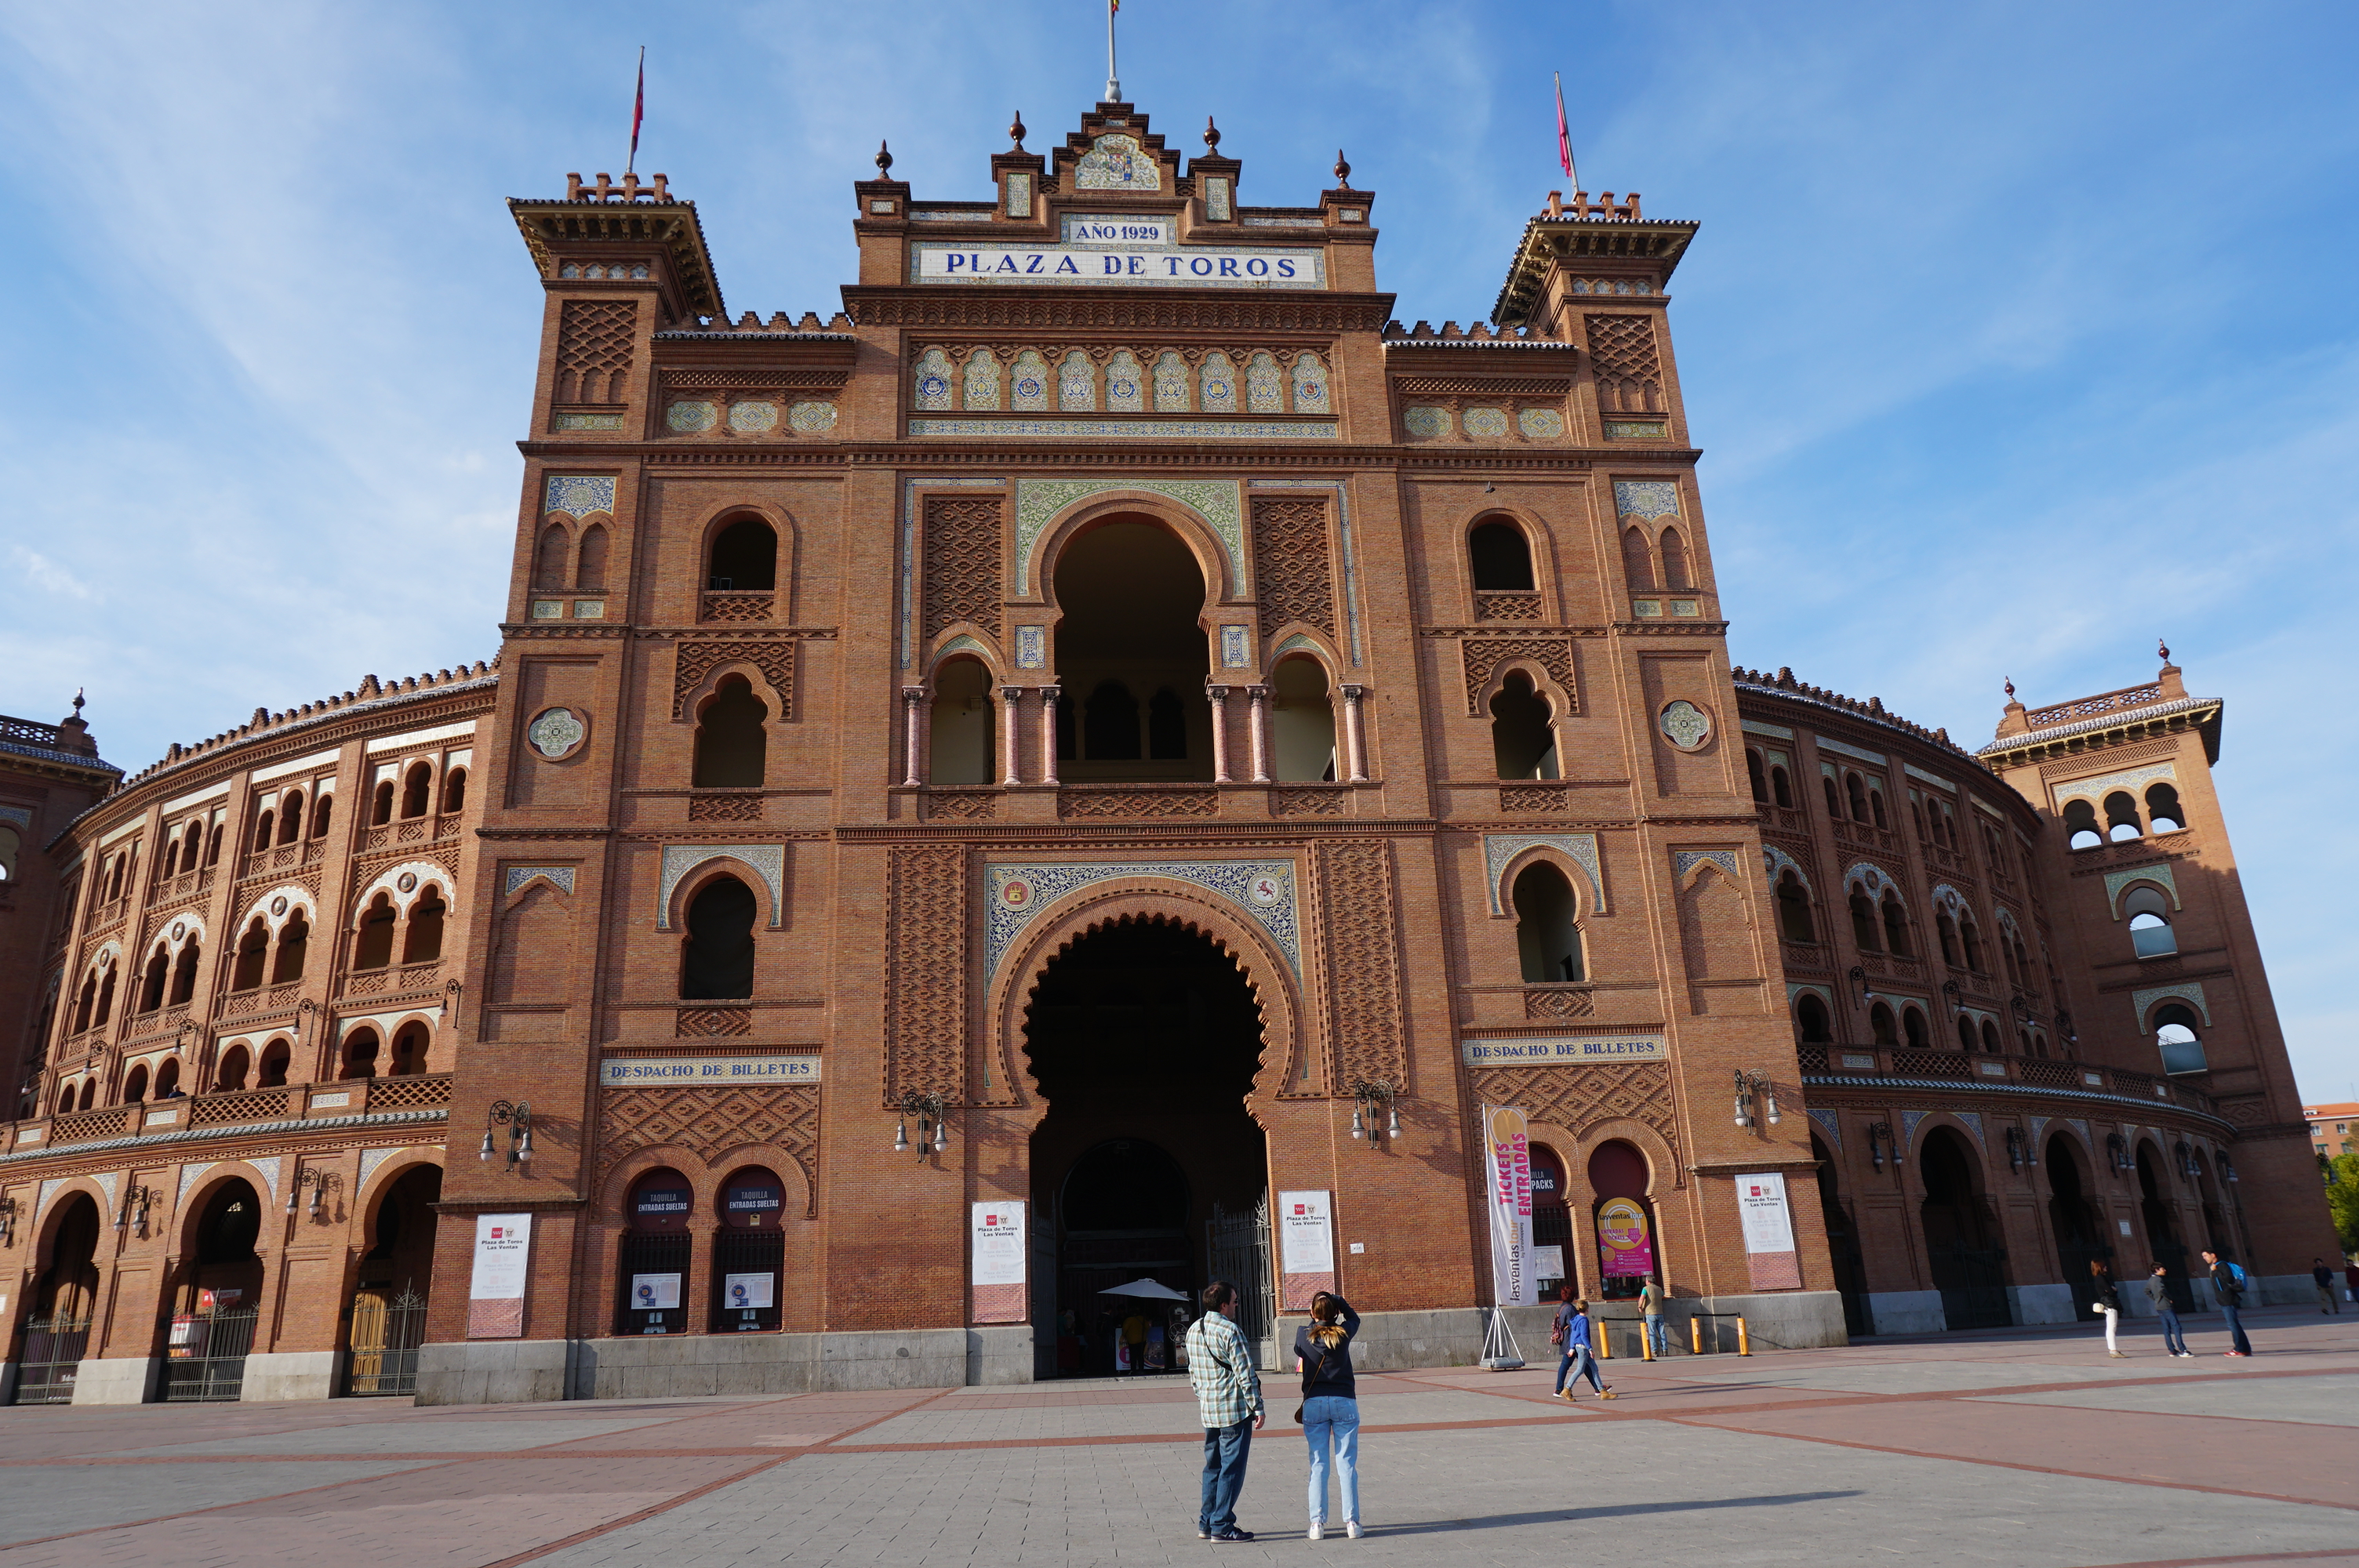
{"type": "Point", "coordinates": [2036, 1072]}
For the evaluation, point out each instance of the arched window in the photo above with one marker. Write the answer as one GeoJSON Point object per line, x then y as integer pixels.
{"type": "Point", "coordinates": [1991, 1042]}
{"type": "Point", "coordinates": [294, 940]}
{"type": "Point", "coordinates": [1523, 738]}
{"type": "Point", "coordinates": [1810, 1016]}
{"type": "Point", "coordinates": [261, 829]}
{"type": "Point", "coordinates": [589, 565]}
{"type": "Point", "coordinates": [360, 1055]}
{"type": "Point", "coordinates": [230, 1076]}
{"type": "Point", "coordinates": [745, 555]}
{"type": "Point", "coordinates": [2150, 932]}
{"type": "Point", "coordinates": [213, 845]}
{"type": "Point", "coordinates": [732, 747]}
{"type": "Point", "coordinates": [960, 727]}
{"type": "Point", "coordinates": [1969, 936]}
{"type": "Point", "coordinates": [374, 949]}
{"type": "Point", "coordinates": [454, 791]}
{"type": "Point", "coordinates": [1965, 1032]}
{"type": "Point", "coordinates": [1794, 909]}
{"type": "Point", "coordinates": [717, 959]}
{"type": "Point", "coordinates": [1781, 788]}
{"type": "Point", "coordinates": [1863, 924]}
{"type": "Point", "coordinates": [1638, 561]}
{"type": "Point", "coordinates": [1757, 776]}
{"type": "Point", "coordinates": [1834, 801]}
{"type": "Point", "coordinates": [1879, 1025]}
{"type": "Point", "coordinates": [319, 815]}
{"type": "Point", "coordinates": [1546, 937]}
{"type": "Point", "coordinates": [1167, 719]}
{"type": "Point", "coordinates": [1130, 599]}
{"type": "Point", "coordinates": [1110, 723]}
{"type": "Point", "coordinates": [135, 1085]}
{"type": "Point", "coordinates": [381, 812]}
{"type": "Point", "coordinates": [2081, 826]}
{"type": "Point", "coordinates": [417, 790]}
{"type": "Point", "coordinates": [1946, 930]}
{"type": "Point", "coordinates": [89, 1093]}
{"type": "Point", "coordinates": [290, 817]}
{"type": "Point", "coordinates": [2174, 1033]}
{"type": "Point", "coordinates": [2162, 809]}
{"type": "Point", "coordinates": [409, 1045]}
{"type": "Point", "coordinates": [252, 949]}
{"type": "Point", "coordinates": [549, 560]}
{"type": "Point", "coordinates": [1675, 560]}
{"type": "Point", "coordinates": [168, 1077]}
{"type": "Point", "coordinates": [184, 972]}
{"type": "Point", "coordinates": [1914, 1030]}
{"type": "Point", "coordinates": [1895, 927]}
{"type": "Point", "coordinates": [275, 1057]}
{"type": "Point", "coordinates": [423, 943]}
{"type": "Point", "coordinates": [2121, 818]}
{"type": "Point", "coordinates": [86, 1000]}
{"type": "Point", "coordinates": [151, 984]}
{"type": "Point", "coordinates": [2010, 953]}
{"type": "Point", "coordinates": [1501, 557]}
{"type": "Point", "coordinates": [2040, 1045]}
{"type": "Point", "coordinates": [1876, 807]}
{"type": "Point", "coordinates": [1856, 791]}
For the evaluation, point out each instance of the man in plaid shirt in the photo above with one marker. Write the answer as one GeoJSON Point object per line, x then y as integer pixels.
{"type": "Point", "coordinates": [1228, 1396]}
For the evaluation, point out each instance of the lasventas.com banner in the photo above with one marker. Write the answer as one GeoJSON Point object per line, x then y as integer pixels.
{"type": "Point", "coordinates": [1507, 1165]}
{"type": "Point", "coordinates": [1147, 265]}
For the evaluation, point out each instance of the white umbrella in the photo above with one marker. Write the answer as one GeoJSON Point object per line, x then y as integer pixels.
{"type": "Point", "coordinates": [1152, 1290]}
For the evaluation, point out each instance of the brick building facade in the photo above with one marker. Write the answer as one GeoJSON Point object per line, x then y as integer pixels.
{"type": "Point", "coordinates": [1100, 761]}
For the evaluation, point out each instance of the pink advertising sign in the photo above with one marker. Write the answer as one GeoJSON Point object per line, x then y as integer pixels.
{"type": "Point", "coordinates": [1625, 1246]}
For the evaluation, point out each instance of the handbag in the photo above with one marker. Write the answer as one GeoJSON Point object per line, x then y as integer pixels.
{"type": "Point", "coordinates": [1309, 1378]}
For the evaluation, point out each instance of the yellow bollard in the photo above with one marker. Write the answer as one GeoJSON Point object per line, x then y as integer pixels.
{"type": "Point", "coordinates": [1605, 1338]}
{"type": "Point", "coordinates": [1646, 1342]}
{"type": "Point", "coordinates": [1744, 1346]}
{"type": "Point", "coordinates": [1695, 1334]}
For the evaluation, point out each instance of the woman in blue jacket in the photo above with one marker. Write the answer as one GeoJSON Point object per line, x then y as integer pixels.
{"type": "Point", "coordinates": [1573, 1333]}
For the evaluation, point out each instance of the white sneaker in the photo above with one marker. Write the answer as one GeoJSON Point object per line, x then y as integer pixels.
{"type": "Point", "coordinates": [1318, 1530]}
{"type": "Point", "coordinates": [1352, 1529]}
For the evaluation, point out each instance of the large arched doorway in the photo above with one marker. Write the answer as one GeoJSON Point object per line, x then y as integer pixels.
{"type": "Point", "coordinates": [2155, 1209]}
{"type": "Point", "coordinates": [205, 1352]}
{"type": "Point", "coordinates": [1624, 1219]}
{"type": "Point", "coordinates": [2080, 1230]}
{"type": "Point", "coordinates": [1132, 657]}
{"type": "Point", "coordinates": [59, 1331]}
{"type": "Point", "coordinates": [1961, 1235]}
{"type": "Point", "coordinates": [651, 1265]}
{"type": "Point", "coordinates": [395, 1277]}
{"type": "Point", "coordinates": [1143, 1038]}
{"type": "Point", "coordinates": [1842, 1245]}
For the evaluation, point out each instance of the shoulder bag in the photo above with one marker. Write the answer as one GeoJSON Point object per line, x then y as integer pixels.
{"type": "Point", "coordinates": [1309, 1376]}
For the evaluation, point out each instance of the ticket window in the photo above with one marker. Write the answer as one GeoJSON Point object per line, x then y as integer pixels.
{"type": "Point", "coordinates": [653, 1274]}
{"type": "Point", "coordinates": [749, 1253]}
{"type": "Point", "coordinates": [1623, 1220]}
{"type": "Point", "coordinates": [1551, 1223]}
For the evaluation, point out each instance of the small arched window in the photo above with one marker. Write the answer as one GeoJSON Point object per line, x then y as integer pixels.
{"type": "Point", "coordinates": [1810, 1017]}
{"type": "Point", "coordinates": [275, 1057]}
{"type": "Point", "coordinates": [1675, 560]}
{"type": "Point", "coordinates": [1638, 561]}
{"type": "Point", "coordinates": [1965, 1032]}
{"type": "Point", "coordinates": [1794, 909]}
{"type": "Point", "coordinates": [960, 731]}
{"type": "Point", "coordinates": [1856, 791]}
{"type": "Point", "coordinates": [745, 557]}
{"type": "Point", "coordinates": [589, 565]}
{"type": "Point", "coordinates": [1757, 776]}
{"type": "Point", "coordinates": [380, 811]}
{"type": "Point", "coordinates": [1969, 936]}
{"type": "Point", "coordinates": [423, 943]}
{"type": "Point", "coordinates": [1781, 788]}
{"type": "Point", "coordinates": [1546, 940]}
{"type": "Point", "coordinates": [732, 747]}
{"type": "Point", "coordinates": [319, 815]}
{"type": "Point", "coordinates": [2162, 809]}
{"type": "Point", "coordinates": [86, 1000]}
{"type": "Point", "coordinates": [1863, 924]}
{"type": "Point", "coordinates": [374, 949]}
{"type": "Point", "coordinates": [1914, 1030]}
{"type": "Point", "coordinates": [454, 791]}
{"type": "Point", "coordinates": [135, 1085]}
{"type": "Point", "coordinates": [2175, 1034]}
{"type": "Point", "coordinates": [1946, 929]}
{"type": "Point", "coordinates": [184, 972]}
{"type": "Point", "coordinates": [290, 817]}
{"type": "Point", "coordinates": [360, 1055]}
{"type": "Point", "coordinates": [2149, 912]}
{"type": "Point", "coordinates": [263, 826]}
{"type": "Point", "coordinates": [1895, 927]}
{"type": "Point", "coordinates": [1876, 807]}
{"type": "Point", "coordinates": [2122, 818]}
{"type": "Point", "coordinates": [549, 559]}
{"type": "Point", "coordinates": [252, 949]}
{"type": "Point", "coordinates": [1501, 557]}
{"type": "Point", "coordinates": [151, 984]}
{"type": "Point", "coordinates": [1523, 736]}
{"type": "Point", "coordinates": [89, 1093]}
{"type": "Point", "coordinates": [408, 1050]}
{"type": "Point", "coordinates": [1879, 1025]}
{"type": "Point", "coordinates": [229, 1075]}
{"type": "Point", "coordinates": [213, 845]}
{"type": "Point", "coordinates": [1834, 801]}
{"type": "Point", "coordinates": [294, 942]}
{"type": "Point", "coordinates": [168, 1077]}
{"type": "Point", "coordinates": [1991, 1042]}
{"type": "Point", "coordinates": [2081, 826]}
{"type": "Point", "coordinates": [717, 959]}
{"type": "Point", "coordinates": [417, 790]}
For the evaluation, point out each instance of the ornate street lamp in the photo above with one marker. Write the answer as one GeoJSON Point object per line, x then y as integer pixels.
{"type": "Point", "coordinates": [933, 1123]}
{"type": "Point", "coordinates": [1368, 1098]}
{"type": "Point", "coordinates": [517, 1118]}
{"type": "Point", "coordinates": [1747, 1086]}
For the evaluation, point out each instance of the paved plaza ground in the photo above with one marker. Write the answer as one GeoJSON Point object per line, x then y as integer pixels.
{"type": "Point", "coordinates": [2018, 1447]}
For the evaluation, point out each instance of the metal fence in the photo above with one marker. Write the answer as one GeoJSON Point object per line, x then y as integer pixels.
{"type": "Point", "coordinates": [52, 1358]}
{"type": "Point", "coordinates": [1239, 1248]}
{"type": "Point", "coordinates": [206, 1358]}
{"type": "Point", "coordinates": [387, 1332]}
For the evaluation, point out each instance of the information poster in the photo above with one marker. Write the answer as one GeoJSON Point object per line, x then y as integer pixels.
{"type": "Point", "coordinates": [655, 1292]}
{"type": "Point", "coordinates": [1305, 1248]}
{"type": "Point", "coordinates": [495, 1288]}
{"type": "Point", "coordinates": [995, 1291]}
{"type": "Point", "coordinates": [1769, 1232]}
{"type": "Point", "coordinates": [1625, 1246]}
{"type": "Point", "coordinates": [1507, 1162]}
{"type": "Point", "coordinates": [742, 1292]}
{"type": "Point", "coordinates": [1548, 1263]}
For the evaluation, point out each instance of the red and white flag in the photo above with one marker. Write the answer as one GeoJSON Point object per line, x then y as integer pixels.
{"type": "Point", "coordinates": [1563, 133]}
{"type": "Point", "coordinates": [639, 112]}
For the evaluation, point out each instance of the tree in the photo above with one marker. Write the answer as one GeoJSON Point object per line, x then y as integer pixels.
{"type": "Point", "coordinates": [2343, 1197]}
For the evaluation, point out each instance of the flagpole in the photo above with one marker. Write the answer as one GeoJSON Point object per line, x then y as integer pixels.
{"type": "Point", "coordinates": [1114, 83]}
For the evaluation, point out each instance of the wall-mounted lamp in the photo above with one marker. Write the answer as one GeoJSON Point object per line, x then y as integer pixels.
{"type": "Point", "coordinates": [1370, 1097]}
{"type": "Point", "coordinates": [1879, 1139]}
{"type": "Point", "coordinates": [2064, 1027]}
{"type": "Point", "coordinates": [1747, 1086]}
{"type": "Point", "coordinates": [2020, 1153]}
{"type": "Point", "coordinates": [2117, 1150]}
{"type": "Point", "coordinates": [1949, 988]}
{"type": "Point", "coordinates": [1859, 979]}
{"type": "Point", "coordinates": [933, 1123]}
{"type": "Point", "coordinates": [2227, 1168]}
{"type": "Point", "coordinates": [134, 1217]}
{"type": "Point", "coordinates": [2186, 1160]}
{"type": "Point", "coordinates": [517, 1118]}
{"type": "Point", "coordinates": [321, 1184]}
{"type": "Point", "coordinates": [8, 1216]}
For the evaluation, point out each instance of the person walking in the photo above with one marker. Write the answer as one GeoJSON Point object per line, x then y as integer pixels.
{"type": "Point", "coordinates": [2324, 1276]}
{"type": "Point", "coordinates": [2108, 1306]}
{"type": "Point", "coordinates": [1650, 1309]}
{"type": "Point", "coordinates": [1331, 1407]}
{"type": "Point", "coordinates": [2228, 1284]}
{"type": "Point", "coordinates": [1228, 1399]}
{"type": "Point", "coordinates": [2158, 1290]}
{"type": "Point", "coordinates": [1572, 1332]}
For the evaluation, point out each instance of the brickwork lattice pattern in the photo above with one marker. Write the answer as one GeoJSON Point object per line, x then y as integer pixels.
{"type": "Point", "coordinates": [1484, 655]}
{"type": "Point", "coordinates": [1629, 371]}
{"type": "Point", "coordinates": [964, 537]}
{"type": "Point", "coordinates": [593, 350]}
{"type": "Point", "coordinates": [1356, 886]}
{"type": "Point", "coordinates": [1290, 564]}
{"type": "Point", "coordinates": [925, 972]}
{"type": "Point", "coordinates": [710, 1122]}
{"type": "Point", "coordinates": [1578, 1098]}
{"type": "Point", "coordinates": [775, 659]}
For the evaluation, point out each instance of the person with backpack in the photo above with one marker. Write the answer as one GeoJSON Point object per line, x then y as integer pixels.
{"type": "Point", "coordinates": [2158, 1290]}
{"type": "Point", "coordinates": [1330, 1413]}
{"type": "Point", "coordinates": [1571, 1335]}
{"type": "Point", "coordinates": [2228, 1284]}
{"type": "Point", "coordinates": [2108, 1305]}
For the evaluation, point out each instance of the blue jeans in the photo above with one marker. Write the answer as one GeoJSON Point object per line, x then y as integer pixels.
{"type": "Point", "coordinates": [2172, 1340]}
{"type": "Point", "coordinates": [1657, 1336]}
{"type": "Point", "coordinates": [2235, 1327]}
{"type": "Point", "coordinates": [1327, 1417]}
{"type": "Point", "coordinates": [1588, 1364]}
{"type": "Point", "coordinates": [1224, 1474]}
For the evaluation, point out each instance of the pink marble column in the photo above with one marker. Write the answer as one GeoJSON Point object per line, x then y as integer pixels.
{"type": "Point", "coordinates": [1049, 695]}
{"type": "Point", "coordinates": [1258, 718]}
{"type": "Point", "coordinates": [1354, 749]}
{"type": "Point", "coordinates": [1010, 736]}
{"type": "Point", "coordinates": [913, 704]}
{"type": "Point", "coordinates": [1220, 695]}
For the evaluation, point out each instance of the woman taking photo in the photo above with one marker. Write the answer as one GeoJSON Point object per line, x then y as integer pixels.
{"type": "Point", "coordinates": [1331, 1407]}
{"type": "Point", "coordinates": [1572, 1333]}
{"type": "Point", "coordinates": [2108, 1304]}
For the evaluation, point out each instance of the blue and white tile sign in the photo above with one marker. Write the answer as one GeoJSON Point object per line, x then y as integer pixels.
{"type": "Point", "coordinates": [1263, 890]}
{"type": "Point", "coordinates": [1125, 252]}
{"type": "Point", "coordinates": [705, 1072]}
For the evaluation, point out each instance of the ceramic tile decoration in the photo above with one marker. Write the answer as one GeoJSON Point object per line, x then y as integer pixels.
{"type": "Point", "coordinates": [767, 860]}
{"type": "Point", "coordinates": [1830, 1122]}
{"type": "Point", "coordinates": [1128, 430]}
{"type": "Point", "coordinates": [1170, 385]}
{"type": "Point", "coordinates": [1425, 423]}
{"type": "Point", "coordinates": [1216, 199]}
{"type": "Point", "coordinates": [753, 419]}
{"type": "Point", "coordinates": [1236, 648]}
{"type": "Point", "coordinates": [2189, 992]}
{"type": "Point", "coordinates": [811, 419]}
{"type": "Point", "coordinates": [934, 380]}
{"type": "Point", "coordinates": [1031, 647]}
{"type": "Point", "coordinates": [690, 416]}
{"type": "Point", "coordinates": [1217, 379]}
{"type": "Point", "coordinates": [1116, 162]}
{"type": "Point", "coordinates": [1309, 385]}
{"type": "Point", "coordinates": [579, 495]}
{"type": "Point", "coordinates": [983, 379]}
{"type": "Point", "coordinates": [1645, 498]}
{"type": "Point", "coordinates": [1265, 387]}
{"type": "Point", "coordinates": [1637, 429]}
{"type": "Point", "coordinates": [1123, 395]}
{"type": "Point", "coordinates": [589, 609]}
{"type": "Point", "coordinates": [1580, 849]}
{"type": "Point", "coordinates": [1687, 607]}
{"type": "Point", "coordinates": [1542, 424]}
{"type": "Point", "coordinates": [1077, 384]}
{"type": "Point", "coordinates": [1685, 861]}
{"type": "Point", "coordinates": [1973, 1121]}
{"type": "Point", "coordinates": [2133, 780]}
{"type": "Point", "coordinates": [1775, 862]}
{"type": "Point", "coordinates": [557, 731]}
{"type": "Point", "coordinates": [548, 609]}
{"type": "Point", "coordinates": [517, 876]}
{"type": "Point", "coordinates": [962, 643]}
{"type": "Point", "coordinates": [1019, 195]}
{"type": "Point", "coordinates": [1871, 879]}
{"type": "Point", "coordinates": [1027, 385]}
{"type": "Point", "coordinates": [589, 421]}
{"type": "Point", "coordinates": [1218, 501]}
{"type": "Point", "coordinates": [1485, 424]}
{"type": "Point", "coordinates": [1646, 608]}
{"type": "Point", "coordinates": [2158, 873]}
{"type": "Point", "coordinates": [1018, 892]}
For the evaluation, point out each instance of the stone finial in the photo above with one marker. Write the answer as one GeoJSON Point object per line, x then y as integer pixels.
{"type": "Point", "coordinates": [1343, 171]}
{"type": "Point", "coordinates": [884, 161]}
{"type": "Point", "coordinates": [2162, 648]}
{"type": "Point", "coordinates": [1212, 136]}
{"type": "Point", "coordinates": [2010, 689]}
{"type": "Point", "coordinates": [1015, 129]}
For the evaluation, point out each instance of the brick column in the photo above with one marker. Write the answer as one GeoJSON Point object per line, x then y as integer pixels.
{"type": "Point", "coordinates": [1010, 736]}
{"type": "Point", "coordinates": [913, 704]}
{"type": "Point", "coordinates": [1049, 695]}
{"type": "Point", "coordinates": [1354, 750]}
{"type": "Point", "coordinates": [1258, 723]}
{"type": "Point", "coordinates": [1220, 695]}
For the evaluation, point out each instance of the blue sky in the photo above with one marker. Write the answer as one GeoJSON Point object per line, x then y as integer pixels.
{"type": "Point", "coordinates": [2017, 336]}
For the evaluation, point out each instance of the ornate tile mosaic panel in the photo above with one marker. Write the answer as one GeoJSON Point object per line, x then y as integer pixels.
{"type": "Point", "coordinates": [1425, 424]}
{"type": "Point", "coordinates": [1019, 195]}
{"type": "Point", "coordinates": [934, 380]}
{"type": "Point", "coordinates": [1265, 387]}
{"type": "Point", "coordinates": [2189, 992]}
{"type": "Point", "coordinates": [1580, 849]}
{"type": "Point", "coordinates": [1685, 861]}
{"type": "Point", "coordinates": [1542, 424]}
{"type": "Point", "coordinates": [811, 418]}
{"type": "Point", "coordinates": [517, 876]}
{"type": "Point", "coordinates": [1077, 384]}
{"type": "Point", "coordinates": [580, 494]}
{"type": "Point", "coordinates": [1031, 647]}
{"type": "Point", "coordinates": [1028, 386]}
{"type": "Point", "coordinates": [1116, 162]}
{"type": "Point", "coordinates": [1220, 503]}
{"type": "Point", "coordinates": [2158, 873]}
{"type": "Point", "coordinates": [753, 419]}
{"type": "Point", "coordinates": [983, 380]}
{"type": "Point", "coordinates": [1485, 424]}
{"type": "Point", "coordinates": [1830, 1122]}
{"type": "Point", "coordinates": [1237, 649]}
{"type": "Point", "coordinates": [1123, 393]}
{"type": "Point", "coordinates": [768, 861]}
{"type": "Point", "coordinates": [1645, 498]}
{"type": "Point", "coordinates": [1309, 385]}
{"type": "Point", "coordinates": [1018, 893]}
{"type": "Point", "coordinates": [1217, 382]}
{"type": "Point", "coordinates": [1172, 385]}
{"type": "Point", "coordinates": [692, 415]}
{"type": "Point", "coordinates": [1128, 430]}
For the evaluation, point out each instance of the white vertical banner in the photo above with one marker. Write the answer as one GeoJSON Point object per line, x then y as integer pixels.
{"type": "Point", "coordinates": [1768, 1226]}
{"type": "Point", "coordinates": [496, 1289]}
{"type": "Point", "coordinates": [1508, 1171]}
{"type": "Point", "coordinates": [1305, 1248]}
{"type": "Point", "coordinates": [995, 1287]}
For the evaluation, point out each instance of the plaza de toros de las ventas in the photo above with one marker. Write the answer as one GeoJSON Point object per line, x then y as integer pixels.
{"type": "Point", "coordinates": [1110, 759]}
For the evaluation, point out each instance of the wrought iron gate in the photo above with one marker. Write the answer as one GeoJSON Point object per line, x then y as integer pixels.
{"type": "Point", "coordinates": [1239, 1248]}
{"type": "Point", "coordinates": [1973, 1287]}
{"type": "Point", "coordinates": [206, 1358]}
{"type": "Point", "coordinates": [53, 1351]}
{"type": "Point", "coordinates": [387, 1332]}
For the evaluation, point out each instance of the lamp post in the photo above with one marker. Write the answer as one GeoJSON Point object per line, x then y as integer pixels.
{"type": "Point", "coordinates": [1370, 1096]}
{"type": "Point", "coordinates": [8, 1216]}
{"type": "Point", "coordinates": [134, 1217]}
{"type": "Point", "coordinates": [1747, 1086]}
{"type": "Point", "coordinates": [2020, 1153]}
{"type": "Point", "coordinates": [2117, 1151]}
{"type": "Point", "coordinates": [516, 1116]}
{"type": "Point", "coordinates": [933, 1123]}
{"type": "Point", "coordinates": [321, 1184]}
{"type": "Point", "coordinates": [1879, 1139]}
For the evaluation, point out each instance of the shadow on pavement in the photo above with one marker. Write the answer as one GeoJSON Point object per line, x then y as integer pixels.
{"type": "Point", "coordinates": [1576, 1516]}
